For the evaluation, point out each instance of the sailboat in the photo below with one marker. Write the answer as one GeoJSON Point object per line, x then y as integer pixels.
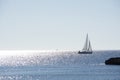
{"type": "Point", "coordinates": [87, 49]}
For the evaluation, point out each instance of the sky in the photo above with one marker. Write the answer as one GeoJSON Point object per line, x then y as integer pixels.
{"type": "Point", "coordinates": [59, 24]}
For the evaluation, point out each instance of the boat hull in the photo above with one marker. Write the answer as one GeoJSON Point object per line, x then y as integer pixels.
{"type": "Point", "coordinates": [84, 52]}
{"type": "Point", "coordinates": [113, 61]}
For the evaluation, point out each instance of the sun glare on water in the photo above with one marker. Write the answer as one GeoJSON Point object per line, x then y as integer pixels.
{"type": "Point", "coordinates": [5, 53]}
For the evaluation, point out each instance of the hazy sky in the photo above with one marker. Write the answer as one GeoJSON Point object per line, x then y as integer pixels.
{"type": "Point", "coordinates": [59, 24]}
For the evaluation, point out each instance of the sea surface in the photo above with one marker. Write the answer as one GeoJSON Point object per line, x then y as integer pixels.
{"type": "Point", "coordinates": [57, 65]}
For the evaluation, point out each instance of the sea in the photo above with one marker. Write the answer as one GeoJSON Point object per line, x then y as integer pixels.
{"type": "Point", "coordinates": [57, 65]}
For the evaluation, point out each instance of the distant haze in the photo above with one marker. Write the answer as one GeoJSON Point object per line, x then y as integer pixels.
{"type": "Point", "coordinates": [59, 24]}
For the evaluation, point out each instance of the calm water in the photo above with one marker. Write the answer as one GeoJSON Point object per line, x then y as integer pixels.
{"type": "Point", "coordinates": [57, 65]}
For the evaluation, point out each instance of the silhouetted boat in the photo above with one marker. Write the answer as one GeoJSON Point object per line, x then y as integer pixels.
{"type": "Point", "coordinates": [87, 49]}
{"type": "Point", "coordinates": [113, 61]}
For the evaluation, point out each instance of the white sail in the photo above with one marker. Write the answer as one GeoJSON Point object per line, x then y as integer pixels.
{"type": "Point", "coordinates": [87, 47]}
{"type": "Point", "coordinates": [86, 44]}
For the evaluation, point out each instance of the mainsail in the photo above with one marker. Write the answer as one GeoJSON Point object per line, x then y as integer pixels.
{"type": "Point", "coordinates": [87, 47]}
{"type": "Point", "coordinates": [86, 44]}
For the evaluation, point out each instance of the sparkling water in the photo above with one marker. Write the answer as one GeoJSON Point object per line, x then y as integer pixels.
{"type": "Point", "coordinates": [57, 65]}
